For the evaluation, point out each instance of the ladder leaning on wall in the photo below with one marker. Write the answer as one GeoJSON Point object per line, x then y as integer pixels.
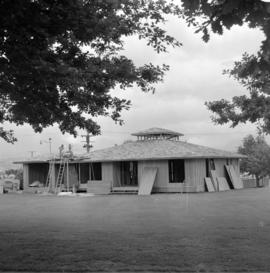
{"type": "Point", "coordinates": [59, 181]}
{"type": "Point", "coordinates": [51, 185]}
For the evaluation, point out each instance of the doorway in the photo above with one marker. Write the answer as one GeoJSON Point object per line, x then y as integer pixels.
{"type": "Point", "coordinates": [129, 173]}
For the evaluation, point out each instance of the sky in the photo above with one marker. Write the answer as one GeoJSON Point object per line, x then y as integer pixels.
{"type": "Point", "coordinates": [178, 104]}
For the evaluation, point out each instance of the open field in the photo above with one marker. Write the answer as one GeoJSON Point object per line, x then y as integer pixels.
{"type": "Point", "coordinates": [227, 231]}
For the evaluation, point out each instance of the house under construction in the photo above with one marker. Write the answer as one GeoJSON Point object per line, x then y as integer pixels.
{"type": "Point", "coordinates": [158, 161]}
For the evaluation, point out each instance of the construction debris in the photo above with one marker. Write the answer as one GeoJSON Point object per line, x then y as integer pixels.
{"type": "Point", "coordinates": [35, 184]}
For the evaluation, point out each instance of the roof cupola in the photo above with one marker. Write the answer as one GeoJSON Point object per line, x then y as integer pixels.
{"type": "Point", "coordinates": [157, 134]}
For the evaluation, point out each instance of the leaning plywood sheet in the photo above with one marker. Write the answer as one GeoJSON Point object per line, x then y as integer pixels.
{"type": "Point", "coordinates": [213, 176]}
{"type": "Point", "coordinates": [223, 184]}
{"type": "Point", "coordinates": [209, 184]}
{"type": "Point", "coordinates": [235, 179]}
{"type": "Point", "coordinates": [147, 181]}
{"type": "Point", "coordinates": [228, 170]}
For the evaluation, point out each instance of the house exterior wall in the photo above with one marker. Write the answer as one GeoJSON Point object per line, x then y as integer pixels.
{"type": "Point", "coordinates": [25, 176]}
{"type": "Point", "coordinates": [195, 174]}
{"type": "Point", "coordinates": [236, 165]}
{"type": "Point", "coordinates": [195, 171]}
{"type": "Point", "coordinates": [116, 174]}
{"type": "Point", "coordinates": [102, 186]}
{"type": "Point", "coordinates": [107, 172]}
{"type": "Point", "coordinates": [162, 176]}
{"type": "Point", "coordinates": [220, 167]}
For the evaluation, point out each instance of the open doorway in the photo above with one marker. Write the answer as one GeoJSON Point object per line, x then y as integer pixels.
{"type": "Point", "coordinates": [129, 173]}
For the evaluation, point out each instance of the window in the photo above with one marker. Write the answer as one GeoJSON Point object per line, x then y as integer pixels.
{"type": "Point", "coordinates": [229, 161]}
{"type": "Point", "coordinates": [212, 164]}
{"type": "Point", "coordinates": [96, 171]}
{"type": "Point", "coordinates": [177, 171]}
{"type": "Point", "coordinates": [83, 170]}
{"type": "Point", "coordinates": [207, 167]}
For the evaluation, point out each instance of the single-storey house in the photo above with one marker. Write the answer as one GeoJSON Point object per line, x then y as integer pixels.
{"type": "Point", "coordinates": [158, 155]}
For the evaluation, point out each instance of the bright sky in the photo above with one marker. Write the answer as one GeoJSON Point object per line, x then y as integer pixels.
{"type": "Point", "coordinates": [195, 76]}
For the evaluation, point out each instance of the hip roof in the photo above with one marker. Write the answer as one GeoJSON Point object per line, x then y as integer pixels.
{"type": "Point", "coordinates": [157, 150]}
{"type": "Point", "coordinates": [160, 149]}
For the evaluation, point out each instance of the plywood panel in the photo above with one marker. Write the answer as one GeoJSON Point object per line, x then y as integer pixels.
{"type": "Point", "coordinates": [107, 171]}
{"type": "Point", "coordinates": [234, 177]}
{"type": "Point", "coordinates": [147, 181]}
{"type": "Point", "coordinates": [209, 184]}
{"type": "Point", "coordinates": [214, 176]}
{"type": "Point", "coordinates": [236, 166]}
{"type": "Point", "coordinates": [222, 184]}
{"type": "Point", "coordinates": [116, 175]}
{"type": "Point", "coordinates": [103, 186]}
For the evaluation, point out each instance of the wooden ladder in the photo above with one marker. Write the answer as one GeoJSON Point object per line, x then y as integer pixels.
{"type": "Point", "coordinates": [60, 175]}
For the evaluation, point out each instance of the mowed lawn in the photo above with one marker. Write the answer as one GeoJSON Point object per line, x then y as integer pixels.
{"type": "Point", "coordinates": [227, 231]}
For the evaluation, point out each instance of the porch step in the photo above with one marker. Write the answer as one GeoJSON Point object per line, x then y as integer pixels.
{"type": "Point", "coordinates": [125, 190]}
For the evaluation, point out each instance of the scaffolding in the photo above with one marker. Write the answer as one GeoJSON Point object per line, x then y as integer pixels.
{"type": "Point", "coordinates": [62, 175]}
{"type": "Point", "coordinates": [58, 170]}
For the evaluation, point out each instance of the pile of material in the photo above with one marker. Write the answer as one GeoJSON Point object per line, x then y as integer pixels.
{"type": "Point", "coordinates": [9, 185]}
{"type": "Point", "coordinates": [216, 183]}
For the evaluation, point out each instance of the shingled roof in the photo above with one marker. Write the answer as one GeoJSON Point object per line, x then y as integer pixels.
{"type": "Point", "coordinates": [157, 150]}
{"type": "Point", "coordinates": [149, 147]}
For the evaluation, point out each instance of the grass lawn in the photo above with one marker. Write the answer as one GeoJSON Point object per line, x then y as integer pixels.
{"type": "Point", "coordinates": [227, 231]}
